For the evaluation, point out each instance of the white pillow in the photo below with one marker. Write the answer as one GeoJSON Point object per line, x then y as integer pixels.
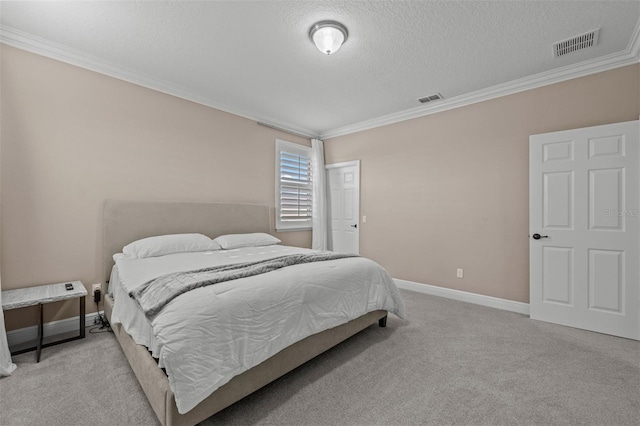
{"type": "Point", "coordinates": [258, 239]}
{"type": "Point", "coordinates": [167, 244]}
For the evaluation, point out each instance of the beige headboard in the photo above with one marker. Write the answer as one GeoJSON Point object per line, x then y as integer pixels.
{"type": "Point", "coordinates": [127, 221]}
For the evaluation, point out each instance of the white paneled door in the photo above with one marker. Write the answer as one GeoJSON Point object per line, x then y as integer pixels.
{"type": "Point", "coordinates": [584, 228]}
{"type": "Point", "coordinates": [343, 189]}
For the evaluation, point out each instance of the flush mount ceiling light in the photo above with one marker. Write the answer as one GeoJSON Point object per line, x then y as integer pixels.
{"type": "Point", "coordinates": [328, 36]}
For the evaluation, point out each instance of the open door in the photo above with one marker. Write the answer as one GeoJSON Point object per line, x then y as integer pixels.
{"type": "Point", "coordinates": [343, 199]}
{"type": "Point", "coordinates": [584, 228]}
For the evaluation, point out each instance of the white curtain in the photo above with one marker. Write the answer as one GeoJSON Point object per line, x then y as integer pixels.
{"type": "Point", "coordinates": [319, 234]}
{"type": "Point", "coordinates": [6, 366]}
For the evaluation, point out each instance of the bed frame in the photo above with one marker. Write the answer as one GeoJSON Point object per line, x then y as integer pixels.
{"type": "Point", "coordinates": [127, 221]}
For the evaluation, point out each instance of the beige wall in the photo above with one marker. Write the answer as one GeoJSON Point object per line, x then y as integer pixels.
{"type": "Point", "coordinates": [72, 138]}
{"type": "Point", "coordinates": [440, 192]}
{"type": "Point", "coordinates": [450, 190]}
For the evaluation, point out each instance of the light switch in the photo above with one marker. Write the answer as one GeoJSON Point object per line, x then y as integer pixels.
{"type": "Point", "coordinates": [364, 219]}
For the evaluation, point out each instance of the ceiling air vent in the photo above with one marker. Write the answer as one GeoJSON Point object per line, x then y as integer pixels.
{"type": "Point", "coordinates": [431, 98]}
{"type": "Point", "coordinates": [576, 43]}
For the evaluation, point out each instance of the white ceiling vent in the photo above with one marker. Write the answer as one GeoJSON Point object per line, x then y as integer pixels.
{"type": "Point", "coordinates": [576, 43]}
{"type": "Point", "coordinates": [431, 98]}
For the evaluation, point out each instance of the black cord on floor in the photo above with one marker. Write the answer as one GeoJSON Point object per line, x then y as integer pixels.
{"type": "Point", "coordinates": [104, 326]}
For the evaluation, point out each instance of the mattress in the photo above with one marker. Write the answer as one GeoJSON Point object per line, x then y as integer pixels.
{"type": "Point", "coordinates": [205, 337]}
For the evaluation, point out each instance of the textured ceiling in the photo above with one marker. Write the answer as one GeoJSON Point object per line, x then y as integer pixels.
{"type": "Point", "coordinates": [255, 58]}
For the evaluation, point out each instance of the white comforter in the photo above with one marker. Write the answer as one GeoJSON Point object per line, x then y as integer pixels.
{"type": "Point", "coordinates": [209, 335]}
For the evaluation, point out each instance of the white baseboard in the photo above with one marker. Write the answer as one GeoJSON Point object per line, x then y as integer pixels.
{"type": "Point", "coordinates": [464, 296]}
{"type": "Point", "coordinates": [27, 334]}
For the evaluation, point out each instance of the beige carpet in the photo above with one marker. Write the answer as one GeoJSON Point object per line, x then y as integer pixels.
{"type": "Point", "coordinates": [449, 363]}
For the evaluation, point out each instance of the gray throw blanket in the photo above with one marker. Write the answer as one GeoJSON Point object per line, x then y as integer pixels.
{"type": "Point", "coordinates": [153, 295]}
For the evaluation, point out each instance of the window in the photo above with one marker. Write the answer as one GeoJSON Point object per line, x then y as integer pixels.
{"type": "Point", "coordinates": [293, 186]}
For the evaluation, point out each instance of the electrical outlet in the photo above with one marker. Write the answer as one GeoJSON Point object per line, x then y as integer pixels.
{"type": "Point", "coordinates": [95, 287]}
{"type": "Point", "coordinates": [460, 273]}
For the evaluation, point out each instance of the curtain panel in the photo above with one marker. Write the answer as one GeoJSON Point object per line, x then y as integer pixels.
{"type": "Point", "coordinates": [319, 233]}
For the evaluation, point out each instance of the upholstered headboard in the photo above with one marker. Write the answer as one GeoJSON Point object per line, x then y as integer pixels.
{"type": "Point", "coordinates": [127, 221]}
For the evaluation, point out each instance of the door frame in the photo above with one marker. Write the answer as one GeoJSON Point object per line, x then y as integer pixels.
{"type": "Point", "coordinates": [353, 163]}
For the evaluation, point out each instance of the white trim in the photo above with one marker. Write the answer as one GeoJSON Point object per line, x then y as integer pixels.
{"type": "Point", "coordinates": [354, 163]}
{"type": "Point", "coordinates": [59, 52]}
{"type": "Point", "coordinates": [27, 334]}
{"type": "Point", "coordinates": [464, 296]}
{"type": "Point", "coordinates": [305, 228]}
{"type": "Point", "coordinates": [629, 56]}
{"type": "Point", "coordinates": [288, 130]}
{"type": "Point", "coordinates": [533, 82]}
{"type": "Point", "coordinates": [30, 43]}
{"type": "Point", "coordinates": [634, 43]}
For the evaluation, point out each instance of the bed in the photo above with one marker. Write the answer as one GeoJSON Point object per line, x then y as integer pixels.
{"type": "Point", "coordinates": [127, 221]}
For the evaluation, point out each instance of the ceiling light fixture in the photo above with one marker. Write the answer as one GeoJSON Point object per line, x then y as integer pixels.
{"type": "Point", "coordinates": [328, 36]}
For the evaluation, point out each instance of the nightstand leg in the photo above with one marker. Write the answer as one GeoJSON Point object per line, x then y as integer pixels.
{"type": "Point", "coordinates": [40, 333]}
{"type": "Point", "coordinates": [82, 319]}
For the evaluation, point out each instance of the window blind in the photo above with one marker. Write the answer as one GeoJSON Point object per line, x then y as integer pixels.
{"type": "Point", "coordinates": [295, 187]}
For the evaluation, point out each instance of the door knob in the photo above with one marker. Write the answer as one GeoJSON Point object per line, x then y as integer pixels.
{"type": "Point", "coordinates": [538, 236]}
{"type": "Point", "coordinates": [354, 226]}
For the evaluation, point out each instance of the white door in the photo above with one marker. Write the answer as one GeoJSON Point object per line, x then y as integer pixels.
{"type": "Point", "coordinates": [585, 236]}
{"type": "Point", "coordinates": [343, 190]}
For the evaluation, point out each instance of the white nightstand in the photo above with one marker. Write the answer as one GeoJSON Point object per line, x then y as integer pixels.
{"type": "Point", "coordinates": [39, 295]}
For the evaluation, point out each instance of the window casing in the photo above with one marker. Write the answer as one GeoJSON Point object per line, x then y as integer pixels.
{"type": "Point", "coordinates": [293, 186]}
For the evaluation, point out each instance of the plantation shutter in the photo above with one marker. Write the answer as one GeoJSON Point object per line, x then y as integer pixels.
{"type": "Point", "coordinates": [295, 187]}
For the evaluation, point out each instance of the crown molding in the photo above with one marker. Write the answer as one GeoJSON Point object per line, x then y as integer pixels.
{"type": "Point", "coordinates": [634, 44]}
{"type": "Point", "coordinates": [30, 43]}
{"type": "Point", "coordinates": [629, 56]}
{"type": "Point", "coordinates": [49, 49]}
